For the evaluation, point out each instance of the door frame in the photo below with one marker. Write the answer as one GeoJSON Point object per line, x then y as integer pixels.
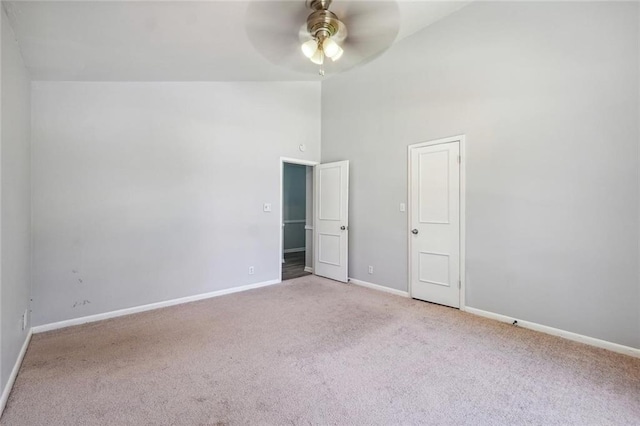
{"type": "Point", "coordinates": [463, 162]}
{"type": "Point", "coordinates": [284, 160]}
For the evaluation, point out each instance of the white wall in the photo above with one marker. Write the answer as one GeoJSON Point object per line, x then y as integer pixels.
{"type": "Point", "coordinates": [547, 94]}
{"type": "Point", "coordinates": [15, 213]}
{"type": "Point", "coordinates": [144, 192]}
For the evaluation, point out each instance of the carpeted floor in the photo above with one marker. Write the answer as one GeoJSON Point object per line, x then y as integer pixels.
{"type": "Point", "coordinates": [313, 351]}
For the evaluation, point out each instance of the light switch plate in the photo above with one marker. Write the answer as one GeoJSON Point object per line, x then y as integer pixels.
{"type": "Point", "coordinates": [266, 207]}
{"type": "Point", "coordinates": [402, 207]}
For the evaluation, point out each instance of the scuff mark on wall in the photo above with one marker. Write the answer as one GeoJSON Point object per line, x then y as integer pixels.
{"type": "Point", "coordinates": [75, 271]}
{"type": "Point", "coordinates": [84, 302]}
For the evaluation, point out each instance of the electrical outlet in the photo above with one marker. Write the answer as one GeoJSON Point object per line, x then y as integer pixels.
{"type": "Point", "coordinates": [24, 319]}
{"type": "Point", "coordinates": [370, 269]}
{"type": "Point", "coordinates": [251, 270]}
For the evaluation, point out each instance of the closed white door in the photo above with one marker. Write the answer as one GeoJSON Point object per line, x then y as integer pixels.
{"type": "Point", "coordinates": [332, 220]}
{"type": "Point", "coordinates": [435, 223]}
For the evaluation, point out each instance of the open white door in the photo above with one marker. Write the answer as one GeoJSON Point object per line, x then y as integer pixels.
{"type": "Point", "coordinates": [331, 202]}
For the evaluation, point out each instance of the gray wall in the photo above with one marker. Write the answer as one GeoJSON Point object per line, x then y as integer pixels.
{"type": "Point", "coordinates": [15, 230]}
{"type": "Point", "coordinates": [547, 94]}
{"type": "Point", "coordinates": [294, 199]}
{"type": "Point", "coordinates": [144, 192]}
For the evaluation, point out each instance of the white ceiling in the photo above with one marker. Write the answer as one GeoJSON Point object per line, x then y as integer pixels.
{"type": "Point", "coordinates": [165, 40]}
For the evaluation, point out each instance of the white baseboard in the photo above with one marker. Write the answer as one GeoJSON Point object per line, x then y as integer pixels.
{"type": "Point", "coordinates": [615, 347]}
{"type": "Point", "coordinates": [308, 269]}
{"type": "Point", "coordinates": [379, 287]}
{"type": "Point", "coordinates": [149, 307]}
{"type": "Point", "coordinates": [14, 373]}
{"type": "Point", "coordinates": [295, 250]}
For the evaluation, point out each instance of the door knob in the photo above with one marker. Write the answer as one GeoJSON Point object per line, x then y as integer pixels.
{"type": "Point", "coordinates": [343, 227]}
{"type": "Point", "coordinates": [414, 231]}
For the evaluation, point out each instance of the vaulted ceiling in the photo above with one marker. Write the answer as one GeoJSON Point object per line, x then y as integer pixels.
{"type": "Point", "coordinates": [165, 40]}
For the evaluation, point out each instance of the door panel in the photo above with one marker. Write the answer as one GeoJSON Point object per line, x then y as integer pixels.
{"type": "Point", "coordinates": [434, 268]}
{"type": "Point", "coordinates": [332, 220]}
{"type": "Point", "coordinates": [434, 187]}
{"type": "Point", "coordinates": [435, 223]}
{"type": "Point", "coordinates": [329, 248]}
{"type": "Point", "coordinates": [330, 179]}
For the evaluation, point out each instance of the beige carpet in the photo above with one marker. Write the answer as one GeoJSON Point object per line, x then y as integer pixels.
{"type": "Point", "coordinates": [312, 351]}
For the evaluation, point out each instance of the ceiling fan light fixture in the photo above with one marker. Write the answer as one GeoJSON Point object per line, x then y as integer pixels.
{"type": "Point", "coordinates": [318, 57]}
{"type": "Point", "coordinates": [309, 48]}
{"type": "Point", "coordinates": [330, 48]}
{"type": "Point", "coordinates": [338, 55]}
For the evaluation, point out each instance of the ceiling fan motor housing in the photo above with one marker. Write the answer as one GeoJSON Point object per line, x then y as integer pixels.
{"type": "Point", "coordinates": [319, 4]}
{"type": "Point", "coordinates": [322, 23]}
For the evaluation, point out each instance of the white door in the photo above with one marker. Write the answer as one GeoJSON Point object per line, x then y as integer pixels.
{"type": "Point", "coordinates": [435, 223]}
{"type": "Point", "coordinates": [331, 240]}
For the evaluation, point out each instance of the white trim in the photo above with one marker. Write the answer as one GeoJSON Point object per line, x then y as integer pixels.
{"type": "Point", "coordinates": [298, 161]}
{"type": "Point", "coordinates": [295, 250]}
{"type": "Point", "coordinates": [149, 307]}
{"type": "Point", "coordinates": [592, 341]}
{"type": "Point", "coordinates": [281, 228]}
{"type": "Point", "coordinates": [14, 373]}
{"type": "Point", "coordinates": [463, 222]}
{"type": "Point", "coordinates": [463, 189]}
{"type": "Point", "coordinates": [379, 287]}
{"type": "Point", "coordinates": [308, 269]}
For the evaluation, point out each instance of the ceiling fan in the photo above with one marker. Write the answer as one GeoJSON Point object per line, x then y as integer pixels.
{"type": "Point", "coordinates": [325, 31]}
{"type": "Point", "coordinates": [322, 36]}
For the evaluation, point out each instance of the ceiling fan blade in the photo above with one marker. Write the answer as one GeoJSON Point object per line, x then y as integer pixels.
{"type": "Point", "coordinates": [304, 34]}
{"type": "Point", "coordinates": [274, 28]}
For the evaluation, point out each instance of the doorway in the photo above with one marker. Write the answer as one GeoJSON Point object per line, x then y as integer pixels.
{"type": "Point", "coordinates": [326, 220]}
{"type": "Point", "coordinates": [296, 248]}
{"type": "Point", "coordinates": [436, 221]}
